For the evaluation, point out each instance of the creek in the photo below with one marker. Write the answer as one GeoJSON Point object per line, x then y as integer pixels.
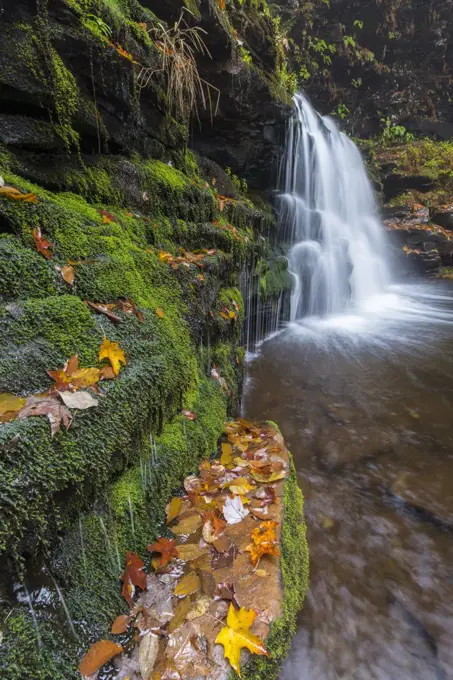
{"type": "Point", "coordinates": [361, 384]}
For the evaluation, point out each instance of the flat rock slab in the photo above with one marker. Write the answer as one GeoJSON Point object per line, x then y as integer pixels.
{"type": "Point", "coordinates": [224, 554]}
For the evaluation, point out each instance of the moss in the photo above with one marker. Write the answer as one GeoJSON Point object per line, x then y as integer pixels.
{"type": "Point", "coordinates": [25, 659]}
{"type": "Point", "coordinates": [23, 273]}
{"type": "Point", "coordinates": [294, 567]}
{"type": "Point", "coordinates": [276, 280]}
{"type": "Point", "coordinates": [401, 200]}
{"type": "Point", "coordinates": [127, 517]}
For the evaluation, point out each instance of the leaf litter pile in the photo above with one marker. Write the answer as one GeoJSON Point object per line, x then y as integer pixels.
{"type": "Point", "coordinates": [211, 587]}
{"type": "Point", "coordinates": [73, 388]}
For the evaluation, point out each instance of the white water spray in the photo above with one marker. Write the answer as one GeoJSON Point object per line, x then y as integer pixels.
{"type": "Point", "coordinates": [338, 247]}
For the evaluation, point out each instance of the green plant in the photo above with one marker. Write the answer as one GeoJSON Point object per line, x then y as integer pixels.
{"type": "Point", "coordinates": [177, 48]}
{"type": "Point", "coordinates": [356, 82]}
{"type": "Point", "coordinates": [392, 133]}
{"type": "Point", "coordinates": [358, 23]}
{"type": "Point", "coordinates": [349, 41]}
{"type": "Point", "coordinates": [103, 28]}
{"type": "Point", "coordinates": [240, 184]}
{"type": "Point", "coordinates": [245, 55]}
{"type": "Point", "coordinates": [341, 111]}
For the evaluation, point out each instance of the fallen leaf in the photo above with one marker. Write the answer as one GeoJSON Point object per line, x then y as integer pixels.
{"type": "Point", "coordinates": [190, 551]}
{"type": "Point", "coordinates": [222, 544]}
{"type": "Point", "coordinates": [133, 575]}
{"type": "Point", "coordinates": [187, 525]}
{"type": "Point", "coordinates": [225, 591]}
{"type": "Point", "coordinates": [107, 373]}
{"type": "Point", "coordinates": [268, 479]}
{"type": "Point", "coordinates": [10, 405]}
{"type": "Point", "coordinates": [113, 352]}
{"type": "Point", "coordinates": [201, 607]}
{"type": "Point", "coordinates": [240, 486]}
{"type": "Point", "coordinates": [67, 274]}
{"type": "Point", "coordinates": [71, 377]}
{"type": "Point", "coordinates": [80, 400]}
{"type": "Point", "coordinates": [181, 611]}
{"type": "Point", "coordinates": [147, 654]}
{"type": "Point", "coordinates": [43, 246]}
{"type": "Point", "coordinates": [173, 509]}
{"type": "Point", "coordinates": [234, 511]}
{"type": "Point", "coordinates": [120, 624]}
{"type": "Point", "coordinates": [213, 526]}
{"type": "Point", "coordinates": [188, 585]}
{"type": "Point", "coordinates": [167, 549]}
{"type": "Point", "coordinates": [236, 635]}
{"type": "Point", "coordinates": [222, 560]}
{"type": "Point", "coordinates": [56, 412]}
{"type": "Point", "coordinates": [227, 454]}
{"type": "Point", "coordinates": [190, 415]}
{"type": "Point", "coordinates": [98, 655]}
{"type": "Point", "coordinates": [264, 542]}
{"type": "Point", "coordinates": [160, 313]}
{"type": "Point", "coordinates": [102, 309]}
{"type": "Point", "coordinates": [262, 573]}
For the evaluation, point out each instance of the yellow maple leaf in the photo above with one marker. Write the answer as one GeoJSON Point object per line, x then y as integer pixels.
{"type": "Point", "coordinates": [236, 635]}
{"type": "Point", "coordinates": [113, 352]}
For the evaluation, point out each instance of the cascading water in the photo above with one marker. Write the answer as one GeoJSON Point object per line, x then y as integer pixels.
{"type": "Point", "coordinates": [337, 254]}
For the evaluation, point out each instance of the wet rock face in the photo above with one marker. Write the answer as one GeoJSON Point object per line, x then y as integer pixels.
{"type": "Point", "coordinates": [390, 59]}
{"type": "Point", "coordinates": [63, 83]}
{"type": "Point", "coordinates": [419, 245]}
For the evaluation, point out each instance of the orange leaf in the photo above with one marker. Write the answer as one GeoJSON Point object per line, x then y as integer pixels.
{"type": "Point", "coordinates": [236, 635]}
{"type": "Point", "coordinates": [167, 548]}
{"type": "Point", "coordinates": [42, 244]}
{"type": "Point", "coordinates": [98, 655]}
{"type": "Point", "coordinates": [160, 313]}
{"type": "Point", "coordinates": [120, 624]}
{"type": "Point", "coordinates": [264, 542]}
{"type": "Point", "coordinates": [112, 352]}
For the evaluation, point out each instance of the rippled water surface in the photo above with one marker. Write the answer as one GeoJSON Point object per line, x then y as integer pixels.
{"type": "Point", "coordinates": [365, 402]}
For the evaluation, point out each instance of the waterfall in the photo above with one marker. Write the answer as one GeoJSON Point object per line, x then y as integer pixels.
{"type": "Point", "coordinates": [337, 253]}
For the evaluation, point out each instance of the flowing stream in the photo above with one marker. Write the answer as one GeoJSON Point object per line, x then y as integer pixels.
{"type": "Point", "coordinates": [361, 384]}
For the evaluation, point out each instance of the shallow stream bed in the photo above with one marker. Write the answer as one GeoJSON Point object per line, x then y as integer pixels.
{"type": "Point", "coordinates": [365, 403]}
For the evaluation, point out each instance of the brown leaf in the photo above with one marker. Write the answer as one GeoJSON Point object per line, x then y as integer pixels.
{"type": "Point", "coordinates": [120, 624]}
{"type": "Point", "coordinates": [98, 655]}
{"type": "Point", "coordinates": [107, 373]}
{"type": "Point", "coordinates": [48, 406]}
{"type": "Point", "coordinates": [188, 524]}
{"type": "Point", "coordinates": [102, 309]}
{"type": "Point", "coordinates": [190, 551]}
{"type": "Point", "coordinates": [224, 559]}
{"type": "Point", "coordinates": [181, 611]}
{"type": "Point", "coordinates": [226, 591]}
{"type": "Point", "coordinates": [188, 585]}
{"type": "Point", "coordinates": [222, 544]}
{"type": "Point", "coordinates": [173, 509]}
